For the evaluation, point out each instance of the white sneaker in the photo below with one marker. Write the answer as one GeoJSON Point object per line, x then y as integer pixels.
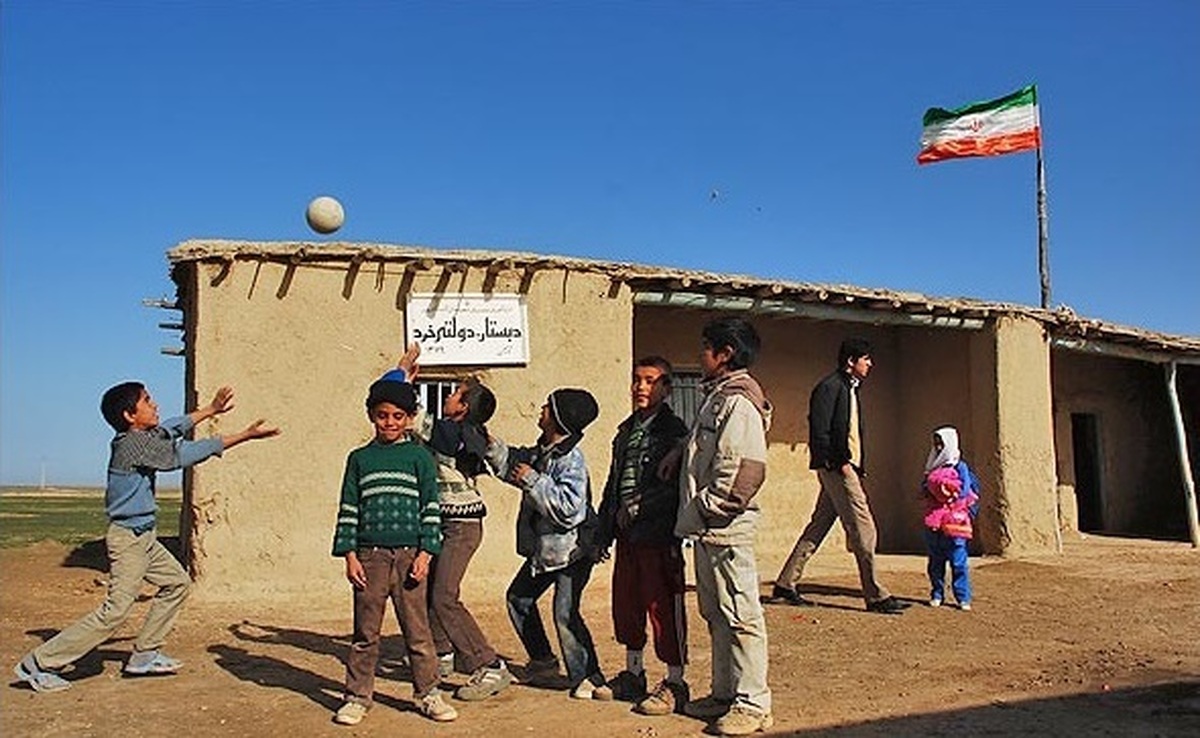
{"type": "Point", "coordinates": [964, 606]}
{"type": "Point", "coordinates": [935, 602]}
{"type": "Point", "coordinates": [350, 713]}
{"type": "Point", "coordinates": [587, 690]}
{"type": "Point", "coordinates": [436, 709]}
{"type": "Point", "coordinates": [485, 682]}
{"type": "Point", "coordinates": [40, 680]}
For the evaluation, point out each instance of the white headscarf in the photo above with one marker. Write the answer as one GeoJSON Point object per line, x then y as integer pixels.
{"type": "Point", "coordinates": [949, 455]}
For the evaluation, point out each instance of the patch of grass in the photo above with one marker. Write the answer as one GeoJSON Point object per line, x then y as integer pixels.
{"type": "Point", "coordinates": [72, 518]}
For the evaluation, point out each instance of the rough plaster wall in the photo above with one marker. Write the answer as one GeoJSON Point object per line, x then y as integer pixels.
{"type": "Point", "coordinates": [1027, 495]}
{"type": "Point", "coordinates": [796, 354]}
{"type": "Point", "coordinates": [934, 373]}
{"type": "Point", "coordinates": [991, 535]}
{"type": "Point", "coordinates": [922, 378]}
{"type": "Point", "coordinates": [1141, 487]}
{"type": "Point", "coordinates": [303, 356]}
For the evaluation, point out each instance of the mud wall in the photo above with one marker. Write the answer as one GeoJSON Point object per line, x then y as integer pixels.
{"type": "Point", "coordinates": [300, 346]}
{"type": "Point", "coordinates": [922, 378]}
{"type": "Point", "coordinates": [1026, 502]}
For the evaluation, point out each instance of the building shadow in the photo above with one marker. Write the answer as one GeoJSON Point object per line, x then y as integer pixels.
{"type": "Point", "coordinates": [1169, 709]}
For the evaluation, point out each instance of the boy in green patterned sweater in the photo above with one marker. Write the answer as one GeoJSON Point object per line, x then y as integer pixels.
{"type": "Point", "coordinates": [388, 530]}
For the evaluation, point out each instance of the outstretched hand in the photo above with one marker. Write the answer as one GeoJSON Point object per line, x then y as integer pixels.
{"type": "Point", "coordinates": [258, 429]}
{"type": "Point", "coordinates": [222, 402]}
{"type": "Point", "coordinates": [408, 362]}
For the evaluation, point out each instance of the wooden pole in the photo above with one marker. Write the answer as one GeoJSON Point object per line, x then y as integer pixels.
{"type": "Point", "coordinates": [1043, 237]}
{"type": "Point", "coordinates": [1185, 463]}
{"type": "Point", "coordinates": [1043, 231]}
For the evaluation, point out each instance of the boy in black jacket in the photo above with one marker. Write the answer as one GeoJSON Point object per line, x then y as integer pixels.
{"type": "Point", "coordinates": [835, 431]}
{"type": "Point", "coordinates": [638, 511]}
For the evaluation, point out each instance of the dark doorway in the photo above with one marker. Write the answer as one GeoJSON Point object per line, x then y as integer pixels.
{"type": "Point", "coordinates": [1085, 444]}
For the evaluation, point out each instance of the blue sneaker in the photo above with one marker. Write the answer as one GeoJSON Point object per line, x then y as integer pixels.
{"type": "Point", "coordinates": [151, 663]}
{"type": "Point", "coordinates": [29, 672]}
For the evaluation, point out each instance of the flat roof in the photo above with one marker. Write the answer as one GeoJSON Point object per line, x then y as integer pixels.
{"type": "Point", "coordinates": [1069, 330]}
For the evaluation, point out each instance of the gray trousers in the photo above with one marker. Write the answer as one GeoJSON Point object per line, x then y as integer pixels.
{"type": "Point", "coordinates": [132, 560]}
{"type": "Point", "coordinates": [842, 497]}
{"type": "Point", "coordinates": [727, 590]}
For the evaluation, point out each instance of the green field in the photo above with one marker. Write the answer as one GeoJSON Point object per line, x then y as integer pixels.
{"type": "Point", "coordinates": [68, 515]}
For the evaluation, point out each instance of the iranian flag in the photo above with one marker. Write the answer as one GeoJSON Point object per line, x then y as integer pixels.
{"type": "Point", "coordinates": [1001, 126]}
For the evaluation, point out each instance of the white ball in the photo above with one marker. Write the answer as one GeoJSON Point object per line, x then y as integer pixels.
{"type": "Point", "coordinates": [325, 214]}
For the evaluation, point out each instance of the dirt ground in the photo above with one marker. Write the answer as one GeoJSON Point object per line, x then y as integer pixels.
{"type": "Point", "coordinates": [1101, 640]}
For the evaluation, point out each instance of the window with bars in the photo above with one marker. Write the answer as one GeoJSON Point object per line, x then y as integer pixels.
{"type": "Point", "coordinates": [686, 396]}
{"type": "Point", "coordinates": [432, 393]}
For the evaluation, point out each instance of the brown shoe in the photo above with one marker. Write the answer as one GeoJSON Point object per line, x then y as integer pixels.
{"type": "Point", "coordinates": [784, 596]}
{"type": "Point", "coordinates": [667, 697]}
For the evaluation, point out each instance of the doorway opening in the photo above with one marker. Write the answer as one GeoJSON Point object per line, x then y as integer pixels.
{"type": "Point", "coordinates": [1085, 444]}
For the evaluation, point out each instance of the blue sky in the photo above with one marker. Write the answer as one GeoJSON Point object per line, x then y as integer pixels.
{"type": "Point", "coordinates": [595, 129]}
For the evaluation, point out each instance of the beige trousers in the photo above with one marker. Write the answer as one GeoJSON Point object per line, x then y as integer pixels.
{"type": "Point", "coordinates": [132, 560]}
{"type": "Point", "coordinates": [842, 497]}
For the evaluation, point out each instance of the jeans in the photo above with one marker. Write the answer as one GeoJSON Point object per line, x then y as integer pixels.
{"type": "Point", "coordinates": [943, 549]}
{"type": "Point", "coordinates": [578, 649]}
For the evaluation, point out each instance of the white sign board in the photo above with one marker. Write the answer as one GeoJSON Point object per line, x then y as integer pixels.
{"type": "Point", "coordinates": [468, 329]}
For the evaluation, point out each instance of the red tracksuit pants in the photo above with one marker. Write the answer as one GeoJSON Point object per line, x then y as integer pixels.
{"type": "Point", "coordinates": [648, 581]}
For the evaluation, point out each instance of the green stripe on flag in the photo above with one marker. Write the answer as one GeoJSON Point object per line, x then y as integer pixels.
{"type": "Point", "coordinates": [1023, 96]}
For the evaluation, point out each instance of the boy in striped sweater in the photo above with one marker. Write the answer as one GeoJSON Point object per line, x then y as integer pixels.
{"type": "Point", "coordinates": [458, 442]}
{"type": "Point", "coordinates": [388, 530]}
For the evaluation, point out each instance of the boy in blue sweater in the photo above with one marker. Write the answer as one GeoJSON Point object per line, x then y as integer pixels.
{"type": "Point", "coordinates": [389, 530]}
{"type": "Point", "coordinates": [142, 447]}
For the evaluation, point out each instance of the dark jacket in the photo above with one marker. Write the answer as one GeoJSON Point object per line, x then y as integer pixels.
{"type": "Point", "coordinates": [829, 424]}
{"type": "Point", "coordinates": [657, 501]}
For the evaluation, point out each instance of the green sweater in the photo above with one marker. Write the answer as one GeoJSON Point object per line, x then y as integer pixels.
{"type": "Point", "coordinates": [389, 498]}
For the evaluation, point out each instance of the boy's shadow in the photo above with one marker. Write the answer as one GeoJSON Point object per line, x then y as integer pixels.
{"type": "Point", "coordinates": [392, 661]}
{"type": "Point", "coordinates": [266, 671]}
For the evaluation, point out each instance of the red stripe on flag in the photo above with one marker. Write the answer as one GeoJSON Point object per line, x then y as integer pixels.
{"type": "Point", "coordinates": [991, 146]}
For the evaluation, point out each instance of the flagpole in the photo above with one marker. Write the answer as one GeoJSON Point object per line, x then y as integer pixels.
{"type": "Point", "coordinates": [1043, 236]}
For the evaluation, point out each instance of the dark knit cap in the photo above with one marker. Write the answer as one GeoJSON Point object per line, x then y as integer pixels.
{"type": "Point", "coordinates": [400, 394]}
{"type": "Point", "coordinates": [573, 409]}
